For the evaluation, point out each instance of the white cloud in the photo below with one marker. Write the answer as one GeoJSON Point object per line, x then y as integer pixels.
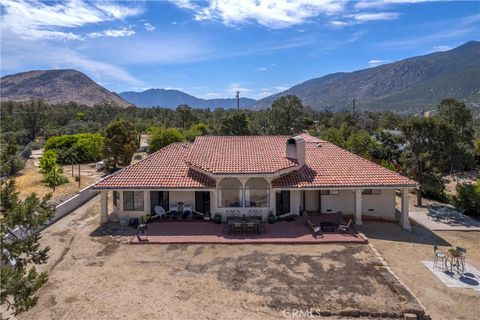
{"type": "Point", "coordinates": [271, 14]}
{"type": "Point", "coordinates": [369, 16]}
{"type": "Point", "coordinates": [261, 69]}
{"type": "Point", "coordinates": [374, 63]}
{"type": "Point", "coordinates": [149, 27]}
{"type": "Point", "coordinates": [35, 20]}
{"type": "Point", "coordinates": [210, 95]}
{"type": "Point", "coordinates": [442, 48]}
{"type": "Point", "coordinates": [372, 4]}
{"type": "Point", "coordinates": [124, 32]}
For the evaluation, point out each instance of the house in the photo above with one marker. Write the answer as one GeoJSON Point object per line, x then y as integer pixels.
{"type": "Point", "coordinates": [241, 174]}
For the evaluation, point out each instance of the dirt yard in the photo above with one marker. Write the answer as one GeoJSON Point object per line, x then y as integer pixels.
{"type": "Point", "coordinates": [31, 180]}
{"type": "Point", "coordinates": [95, 276]}
{"type": "Point", "coordinates": [404, 252]}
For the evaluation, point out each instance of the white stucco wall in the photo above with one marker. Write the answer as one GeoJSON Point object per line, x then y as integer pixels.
{"type": "Point", "coordinates": [311, 200]}
{"type": "Point", "coordinates": [379, 206]}
{"type": "Point", "coordinates": [182, 196]}
{"type": "Point", "coordinates": [344, 202]}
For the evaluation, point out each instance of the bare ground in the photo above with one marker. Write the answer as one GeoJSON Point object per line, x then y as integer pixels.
{"type": "Point", "coordinates": [404, 252]}
{"type": "Point", "coordinates": [95, 276]}
{"type": "Point", "coordinates": [31, 180]}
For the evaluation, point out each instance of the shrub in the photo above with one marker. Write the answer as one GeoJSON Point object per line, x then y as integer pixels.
{"type": "Point", "coordinates": [468, 198]}
{"type": "Point", "coordinates": [82, 147]}
{"type": "Point", "coordinates": [217, 218]}
{"type": "Point", "coordinates": [55, 177]}
{"type": "Point", "coordinates": [48, 161]}
{"type": "Point", "coordinates": [160, 137]}
{"type": "Point", "coordinates": [389, 165]}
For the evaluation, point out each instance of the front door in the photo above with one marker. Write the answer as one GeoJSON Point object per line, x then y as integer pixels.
{"type": "Point", "coordinates": [202, 201]}
{"type": "Point", "coordinates": [282, 202]}
{"type": "Point", "coordinates": [159, 198]}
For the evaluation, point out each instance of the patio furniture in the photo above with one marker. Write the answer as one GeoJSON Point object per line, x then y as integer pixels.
{"type": "Point", "coordinates": [338, 218]}
{"type": "Point", "coordinates": [159, 212]}
{"type": "Point", "coordinates": [142, 233]}
{"type": "Point", "coordinates": [344, 227]}
{"type": "Point", "coordinates": [316, 230]}
{"type": "Point", "coordinates": [438, 256]}
{"type": "Point", "coordinates": [187, 207]}
{"type": "Point", "coordinates": [327, 226]}
{"type": "Point", "coordinates": [235, 226]}
{"type": "Point", "coordinates": [455, 260]}
{"type": "Point", "coordinates": [251, 225]}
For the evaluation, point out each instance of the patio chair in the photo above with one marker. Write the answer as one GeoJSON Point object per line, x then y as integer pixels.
{"type": "Point", "coordinates": [159, 212]}
{"type": "Point", "coordinates": [187, 207]}
{"type": "Point", "coordinates": [438, 255]}
{"type": "Point", "coordinates": [236, 227]}
{"type": "Point", "coordinates": [173, 210]}
{"type": "Point", "coordinates": [316, 230]}
{"type": "Point", "coordinates": [344, 227]}
{"type": "Point", "coordinates": [251, 226]}
{"type": "Point", "coordinates": [338, 219]}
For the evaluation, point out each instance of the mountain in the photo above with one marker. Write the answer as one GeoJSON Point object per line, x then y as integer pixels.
{"type": "Point", "coordinates": [173, 98]}
{"type": "Point", "coordinates": [57, 86]}
{"type": "Point", "coordinates": [406, 86]}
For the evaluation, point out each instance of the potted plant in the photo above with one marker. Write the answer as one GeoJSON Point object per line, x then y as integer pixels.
{"type": "Point", "coordinates": [217, 218]}
{"type": "Point", "coordinates": [271, 218]}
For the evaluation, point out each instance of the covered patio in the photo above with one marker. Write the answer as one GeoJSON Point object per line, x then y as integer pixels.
{"type": "Point", "coordinates": [282, 232]}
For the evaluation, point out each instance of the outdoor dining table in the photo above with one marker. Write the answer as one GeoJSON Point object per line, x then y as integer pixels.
{"type": "Point", "coordinates": [455, 260]}
{"type": "Point", "coordinates": [244, 222]}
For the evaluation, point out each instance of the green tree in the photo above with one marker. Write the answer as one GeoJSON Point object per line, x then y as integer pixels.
{"type": "Point", "coordinates": [335, 136]}
{"type": "Point", "coordinates": [185, 116]}
{"type": "Point", "coordinates": [235, 124]}
{"type": "Point", "coordinates": [286, 114]}
{"type": "Point", "coordinates": [120, 144]}
{"type": "Point", "coordinates": [160, 138]}
{"type": "Point", "coordinates": [21, 281]}
{"type": "Point", "coordinates": [429, 142]}
{"type": "Point", "coordinates": [477, 150]}
{"type": "Point", "coordinates": [361, 143]}
{"type": "Point", "coordinates": [53, 172]}
{"type": "Point", "coordinates": [456, 114]}
{"type": "Point", "coordinates": [468, 198]}
{"type": "Point", "coordinates": [10, 161]}
{"type": "Point", "coordinates": [48, 161]}
{"type": "Point", "coordinates": [35, 116]}
{"type": "Point", "coordinates": [199, 129]}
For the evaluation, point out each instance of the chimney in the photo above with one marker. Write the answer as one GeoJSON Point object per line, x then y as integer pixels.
{"type": "Point", "coordinates": [296, 149]}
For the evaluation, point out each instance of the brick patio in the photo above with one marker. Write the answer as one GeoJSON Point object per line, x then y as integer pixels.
{"type": "Point", "coordinates": [294, 232]}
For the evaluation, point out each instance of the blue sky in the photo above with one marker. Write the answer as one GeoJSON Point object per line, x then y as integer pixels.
{"type": "Point", "coordinates": [212, 49]}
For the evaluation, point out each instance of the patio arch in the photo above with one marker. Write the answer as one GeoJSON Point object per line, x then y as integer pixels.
{"type": "Point", "coordinates": [257, 193]}
{"type": "Point", "coordinates": [230, 193]}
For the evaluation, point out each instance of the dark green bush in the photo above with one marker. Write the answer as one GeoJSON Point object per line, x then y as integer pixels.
{"type": "Point", "coordinates": [217, 218]}
{"type": "Point", "coordinates": [468, 198]}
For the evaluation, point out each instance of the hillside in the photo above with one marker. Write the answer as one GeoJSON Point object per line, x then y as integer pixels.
{"type": "Point", "coordinates": [57, 86]}
{"type": "Point", "coordinates": [173, 98]}
{"type": "Point", "coordinates": [406, 86]}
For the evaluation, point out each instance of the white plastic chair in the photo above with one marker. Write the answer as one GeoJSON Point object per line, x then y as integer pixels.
{"type": "Point", "coordinates": [187, 207]}
{"type": "Point", "coordinates": [159, 211]}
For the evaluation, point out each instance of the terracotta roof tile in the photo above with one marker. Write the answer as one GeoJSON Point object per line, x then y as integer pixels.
{"type": "Point", "coordinates": [240, 154]}
{"type": "Point", "coordinates": [330, 166]}
{"type": "Point", "coordinates": [165, 168]}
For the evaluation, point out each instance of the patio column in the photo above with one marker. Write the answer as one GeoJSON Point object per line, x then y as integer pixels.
{"type": "Point", "coordinates": [358, 207]}
{"type": "Point", "coordinates": [103, 207]}
{"type": "Point", "coordinates": [404, 219]}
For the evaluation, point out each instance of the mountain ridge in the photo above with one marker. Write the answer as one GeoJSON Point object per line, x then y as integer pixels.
{"type": "Point", "coordinates": [412, 84]}
{"type": "Point", "coordinates": [57, 86]}
{"type": "Point", "coordinates": [172, 98]}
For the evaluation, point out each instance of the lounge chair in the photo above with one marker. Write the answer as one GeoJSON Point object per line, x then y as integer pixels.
{"type": "Point", "coordinates": [159, 212]}
{"type": "Point", "coordinates": [316, 230]}
{"type": "Point", "coordinates": [344, 227]}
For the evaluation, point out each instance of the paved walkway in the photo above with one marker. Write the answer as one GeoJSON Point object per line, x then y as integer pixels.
{"type": "Point", "coordinates": [470, 279]}
{"type": "Point", "coordinates": [465, 224]}
{"type": "Point", "coordinates": [295, 232]}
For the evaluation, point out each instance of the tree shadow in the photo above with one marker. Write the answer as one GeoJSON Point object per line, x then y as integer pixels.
{"type": "Point", "coordinates": [114, 229]}
{"type": "Point", "coordinates": [391, 231]}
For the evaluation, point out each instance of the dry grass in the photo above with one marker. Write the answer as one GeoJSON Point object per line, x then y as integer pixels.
{"type": "Point", "coordinates": [404, 252]}
{"type": "Point", "coordinates": [31, 180]}
{"type": "Point", "coordinates": [92, 276]}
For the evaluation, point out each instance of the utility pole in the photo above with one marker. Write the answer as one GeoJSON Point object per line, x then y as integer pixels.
{"type": "Point", "coordinates": [79, 177]}
{"type": "Point", "coordinates": [353, 105]}
{"type": "Point", "coordinates": [238, 100]}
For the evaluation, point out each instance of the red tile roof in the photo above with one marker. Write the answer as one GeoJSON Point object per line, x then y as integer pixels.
{"type": "Point", "coordinates": [165, 168]}
{"type": "Point", "coordinates": [330, 166]}
{"type": "Point", "coordinates": [240, 154]}
{"type": "Point", "coordinates": [327, 166]}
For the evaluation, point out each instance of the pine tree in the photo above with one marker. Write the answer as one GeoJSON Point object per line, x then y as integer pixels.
{"type": "Point", "coordinates": [19, 278]}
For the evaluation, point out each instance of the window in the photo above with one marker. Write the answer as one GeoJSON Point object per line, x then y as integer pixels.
{"type": "Point", "coordinates": [133, 200]}
{"type": "Point", "coordinates": [257, 193]}
{"type": "Point", "coordinates": [372, 192]}
{"type": "Point", "coordinates": [116, 198]}
{"type": "Point", "coordinates": [230, 193]}
{"type": "Point", "coordinates": [329, 192]}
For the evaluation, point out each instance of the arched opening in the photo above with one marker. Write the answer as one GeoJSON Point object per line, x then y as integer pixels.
{"type": "Point", "coordinates": [230, 193]}
{"type": "Point", "coordinates": [257, 193]}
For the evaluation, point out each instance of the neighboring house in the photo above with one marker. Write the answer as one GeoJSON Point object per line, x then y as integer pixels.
{"type": "Point", "coordinates": [241, 174]}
